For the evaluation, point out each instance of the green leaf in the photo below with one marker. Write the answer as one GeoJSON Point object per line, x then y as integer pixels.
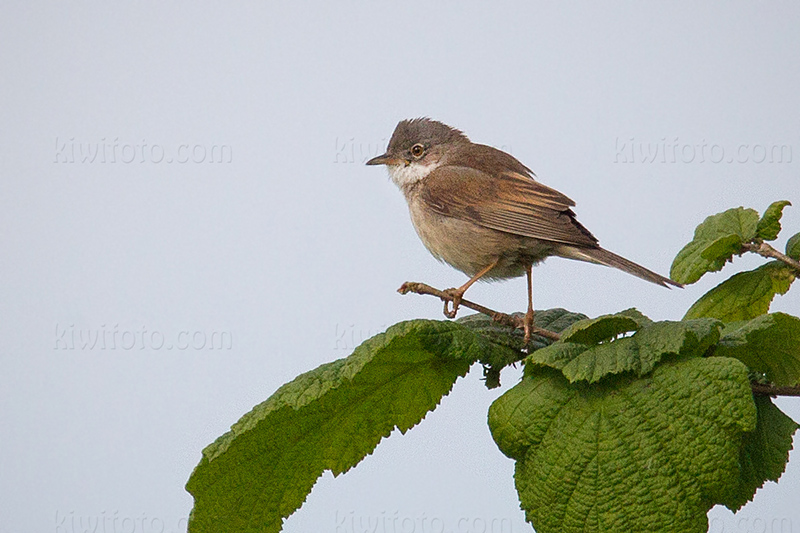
{"type": "Point", "coordinates": [494, 361]}
{"type": "Point", "coordinates": [552, 319]}
{"type": "Point", "coordinates": [605, 327]}
{"type": "Point", "coordinates": [770, 224]}
{"type": "Point", "coordinates": [764, 452]}
{"type": "Point", "coordinates": [769, 344]}
{"type": "Point", "coordinates": [744, 295]}
{"type": "Point", "coordinates": [724, 247]}
{"type": "Point", "coordinates": [647, 454]}
{"type": "Point", "coordinates": [638, 353]}
{"type": "Point", "coordinates": [715, 241]}
{"type": "Point", "coordinates": [793, 246]}
{"type": "Point", "coordinates": [261, 471]}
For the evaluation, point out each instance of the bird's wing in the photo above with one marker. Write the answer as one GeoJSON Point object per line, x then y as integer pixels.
{"type": "Point", "coordinates": [509, 202]}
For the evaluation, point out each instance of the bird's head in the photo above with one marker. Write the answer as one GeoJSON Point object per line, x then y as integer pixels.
{"type": "Point", "coordinates": [416, 148]}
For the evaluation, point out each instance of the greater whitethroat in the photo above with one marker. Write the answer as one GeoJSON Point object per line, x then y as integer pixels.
{"type": "Point", "coordinates": [482, 212]}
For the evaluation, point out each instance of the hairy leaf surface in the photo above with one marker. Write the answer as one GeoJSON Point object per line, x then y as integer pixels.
{"type": "Point", "coordinates": [769, 344]}
{"type": "Point", "coordinates": [330, 418]}
{"type": "Point", "coordinates": [770, 224]}
{"type": "Point", "coordinates": [627, 454]}
{"type": "Point", "coordinates": [638, 353]}
{"type": "Point", "coordinates": [744, 295]}
{"type": "Point", "coordinates": [715, 241]}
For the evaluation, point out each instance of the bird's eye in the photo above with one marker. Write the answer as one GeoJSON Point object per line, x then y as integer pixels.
{"type": "Point", "coordinates": [417, 150]}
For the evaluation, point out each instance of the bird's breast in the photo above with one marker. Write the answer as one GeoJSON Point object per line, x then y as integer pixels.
{"type": "Point", "coordinates": [469, 247]}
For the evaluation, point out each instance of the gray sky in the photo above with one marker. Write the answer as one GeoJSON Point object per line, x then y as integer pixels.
{"type": "Point", "coordinates": [266, 227]}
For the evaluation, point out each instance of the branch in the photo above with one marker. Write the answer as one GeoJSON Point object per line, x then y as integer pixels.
{"type": "Point", "coordinates": [765, 250]}
{"type": "Point", "coordinates": [773, 390]}
{"type": "Point", "coordinates": [501, 318]}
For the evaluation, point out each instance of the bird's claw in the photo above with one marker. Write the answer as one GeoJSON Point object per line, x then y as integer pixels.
{"type": "Point", "coordinates": [456, 295]}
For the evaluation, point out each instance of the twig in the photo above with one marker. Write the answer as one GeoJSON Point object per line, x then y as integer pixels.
{"type": "Point", "coordinates": [501, 318]}
{"type": "Point", "coordinates": [773, 390]}
{"type": "Point", "coordinates": [765, 250]}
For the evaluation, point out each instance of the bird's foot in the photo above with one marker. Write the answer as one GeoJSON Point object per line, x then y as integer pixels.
{"type": "Point", "coordinates": [456, 295]}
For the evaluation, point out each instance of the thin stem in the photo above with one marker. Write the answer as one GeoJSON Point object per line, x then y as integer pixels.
{"type": "Point", "coordinates": [773, 390]}
{"type": "Point", "coordinates": [500, 318]}
{"type": "Point", "coordinates": [765, 250]}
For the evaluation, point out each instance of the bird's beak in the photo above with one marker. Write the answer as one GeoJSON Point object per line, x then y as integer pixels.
{"type": "Point", "coordinates": [385, 159]}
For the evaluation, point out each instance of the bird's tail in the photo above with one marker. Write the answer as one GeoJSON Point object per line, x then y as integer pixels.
{"type": "Point", "coordinates": [604, 257]}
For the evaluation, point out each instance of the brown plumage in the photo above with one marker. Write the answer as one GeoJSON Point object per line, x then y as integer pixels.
{"type": "Point", "coordinates": [506, 201]}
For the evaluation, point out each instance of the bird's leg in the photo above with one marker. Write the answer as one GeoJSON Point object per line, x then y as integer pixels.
{"type": "Point", "coordinates": [529, 314]}
{"type": "Point", "coordinates": [458, 293]}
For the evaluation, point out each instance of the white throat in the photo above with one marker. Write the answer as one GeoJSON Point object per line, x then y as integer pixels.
{"type": "Point", "coordinates": [406, 175]}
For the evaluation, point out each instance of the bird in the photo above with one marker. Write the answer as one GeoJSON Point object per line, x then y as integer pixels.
{"type": "Point", "coordinates": [481, 211]}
